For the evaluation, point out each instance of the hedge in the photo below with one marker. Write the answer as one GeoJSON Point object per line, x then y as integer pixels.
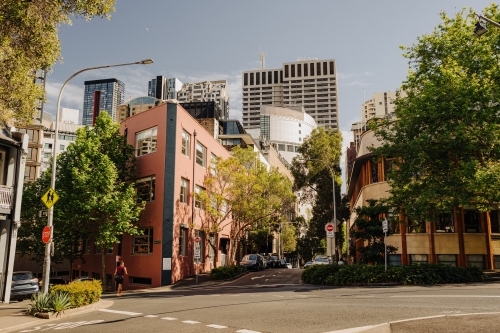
{"type": "Point", "coordinates": [418, 274]}
{"type": "Point", "coordinates": [80, 292]}
{"type": "Point", "coordinates": [227, 272]}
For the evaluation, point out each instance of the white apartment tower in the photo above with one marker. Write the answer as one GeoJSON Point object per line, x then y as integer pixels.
{"type": "Point", "coordinates": [206, 91]}
{"type": "Point", "coordinates": [311, 84]}
{"type": "Point", "coordinates": [381, 105]}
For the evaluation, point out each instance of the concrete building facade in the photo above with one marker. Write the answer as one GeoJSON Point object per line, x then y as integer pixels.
{"type": "Point", "coordinates": [308, 83]}
{"type": "Point", "coordinates": [206, 91]}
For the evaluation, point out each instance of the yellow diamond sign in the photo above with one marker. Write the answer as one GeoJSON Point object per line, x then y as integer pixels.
{"type": "Point", "coordinates": [50, 198]}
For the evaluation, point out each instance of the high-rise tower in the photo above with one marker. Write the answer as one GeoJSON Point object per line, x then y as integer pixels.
{"type": "Point", "coordinates": [102, 95]}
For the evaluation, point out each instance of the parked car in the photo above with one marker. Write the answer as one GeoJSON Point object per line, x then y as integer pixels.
{"type": "Point", "coordinates": [276, 260]}
{"type": "Point", "coordinates": [252, 261]}
{"type": "Point", "coordinates": [24, 285]}
{"type": "Point", "coordinates": [83, 278]}
{"type": "Point", "coordinates": [269, 261]}
{"type": "Point", "coordinates": [307, 264]}
{"type": "Point", "coordinates": [264, 261]}
{"type": "Point", "coordinates": [53, 281]}
{"type": "Point", "coordinates": [321, 260]}
{"type": "Point", "coordinates": [282, 263]}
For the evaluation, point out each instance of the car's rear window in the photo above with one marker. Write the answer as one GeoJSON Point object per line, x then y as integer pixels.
{"type": "Point", "coordinates": [22, 276]}
{"type": "Point", "coordinates": [321, 259]}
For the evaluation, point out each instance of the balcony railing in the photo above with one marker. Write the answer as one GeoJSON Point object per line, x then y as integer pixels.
{"type": "Point", "coordinates": [6, 195]}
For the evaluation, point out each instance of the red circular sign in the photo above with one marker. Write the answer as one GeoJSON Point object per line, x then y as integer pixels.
{"type": "Point", "coordinates": [197, 239]}
{"type": "Point", "coordinates": [46, 234]}
{"type": "Point", "coordinates": [329, 227]}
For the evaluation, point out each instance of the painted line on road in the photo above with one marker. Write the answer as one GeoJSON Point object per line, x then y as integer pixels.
{"type": "Point", "coordinates": [190, 322]}
{"type": "Point", "coordinates": [121, 312]}
{"type": "Point", "coordinates": [356, 329]}
{"type": "Point", "coordinates": [451, 296]}
{"type": "Point", "coordinates": [216, 326]}
{"type": "Point", "coordinates": [169, 318]}
{"type": "Point", "coordinates": [247, 331]}
{"type": "Point", "coordinates": [151, 316]}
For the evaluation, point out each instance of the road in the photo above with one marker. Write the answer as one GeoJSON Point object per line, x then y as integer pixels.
{"type": "Point", "coordinates": [275, 301]}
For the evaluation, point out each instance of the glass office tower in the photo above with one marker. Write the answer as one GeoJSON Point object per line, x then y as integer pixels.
{"type": "Point", "coordinates": [102, 95]}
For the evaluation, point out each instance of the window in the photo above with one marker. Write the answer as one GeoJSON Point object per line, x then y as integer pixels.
{"type": "Point", "coordinates": [318, 68]}
{"type": "Point", "coordinates": [257, 78]}
{"type": "Point", "coordinates": [374, 171]}
{"type": "Point", "coordinates": [387, 169]}
{"type": "Point", "coordinates": [140, 280]}
{"type": "Point", "coordinates": [331, 68]}
{"type": "Point", "coordinates": [186, 143]}
{"type": "Point", "coordinates": [48, 146]}
{"type": "Point", "coordinates": [263, 77]}
{"type": "Point", "coordinates": [201, 154]}
{"type": "Point", "coordinates": [476, 260]}
{"type": "Point", "coordinates": [495, 222]}
{"type": "Point", "coordinates": [286, 70]}
{"type": "Point", "coordinates": [289, 148]}
{"type": "Point", "coordinates": [146, 188]}
{"type": "Point", "coordinates": [184, 190]}
{"type": "Point", "coordinates": [305, 69]}
{"type": "Point", "coordinates": [418, 259]}
{"type": "Point", "coordinates": [145, 142]}
{"type": "Point", "coordinates": [97, 249]}
{"type": "Point", "coordinates": [213, 164]}
{"type": "Point", "coordinates": [251, 79]}
{"type": "Point", "coordinates": [197, 201]}
{"type": "Point", "coordinates": [471, 220]}
{"type": "Point", "coordinates": [325, 68]}
{"type": "Point", "coordinates": [61, 147]}
{"type": "Point", "coordinates": [211, 252]}
{"type": "Point", "coordinates": [281, 147]}
{"type": "Point", "coordinates": [143, 244]}
{"type": "Point", "coordinates": [394, 259]}
{"type": "Point", "coordinates": [245, 82]}
{"type": "Point", "coordinates": [311, 67]}
{"type": "Point", "coordinates": [269, 77]}
{"type": "Point", "coordinates": [444, 222]}
{"type": "Point", "coordinates": [299, 70]}
{"type": "Point", "coordinates": [416, 226]}
{"type": "Point", "coordinates": [496, 260]}
{"type": "Point", "coordinates": [96, 276]}
{"type": "Point", "coordinates": [183, 241]}
{"type": "Point", "coordinates": [86, 246]}
{"type": "Point", "coordinates": [447, 259]}
{"type": "Point", "coordinates": [276, 77]}
{"type": "Point", "coordinates": [292, 70]}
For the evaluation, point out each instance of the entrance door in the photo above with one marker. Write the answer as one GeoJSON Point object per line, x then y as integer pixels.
{"type": "Point", "coordinates": [4, 249]}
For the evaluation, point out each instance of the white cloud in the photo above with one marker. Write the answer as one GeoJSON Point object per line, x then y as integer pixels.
{"type": "Point", "coordinates": [356, 83]}
{"type": "Point", "coordinates": [357, 77]}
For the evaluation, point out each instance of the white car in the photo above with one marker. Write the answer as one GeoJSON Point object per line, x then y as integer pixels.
{"type": "Point", "coordinates": [321, 260]}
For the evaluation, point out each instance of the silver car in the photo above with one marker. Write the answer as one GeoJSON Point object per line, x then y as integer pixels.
{"type": "Point", "coordinates": [321, 260]}
{"type": "Point", "coordinates": [24, 285]}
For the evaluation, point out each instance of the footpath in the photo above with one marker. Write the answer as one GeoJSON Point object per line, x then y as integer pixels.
{"type": "Point", "coordinates": [13, 317]}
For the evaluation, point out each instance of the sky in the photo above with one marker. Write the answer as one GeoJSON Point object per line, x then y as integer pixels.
{"type": "Point", "coordinates": [201, 40]}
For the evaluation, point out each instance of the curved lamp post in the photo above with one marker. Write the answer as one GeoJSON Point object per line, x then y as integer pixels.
{"type": "Point", "coordinates": [48, 246]}
{"type": "Point", "coordinates": [480, 28]}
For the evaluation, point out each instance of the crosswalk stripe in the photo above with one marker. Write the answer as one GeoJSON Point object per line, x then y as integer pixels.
{"type": "Point", "coordinates": [247, 331]}
{"type": "Point", "coordinates": [169, 318]}
{"type": "Point", "coordinates": [121, 312]}
{"type": "Point", "coordinates": [151, 316]}
{"type": "Point", "coordinates": [190, 322]}
{"type": "Point", "coordinates": [216, 326]}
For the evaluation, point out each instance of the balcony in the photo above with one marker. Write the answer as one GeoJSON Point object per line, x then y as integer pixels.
{"type": "Point", "coordinates": [6, 196]}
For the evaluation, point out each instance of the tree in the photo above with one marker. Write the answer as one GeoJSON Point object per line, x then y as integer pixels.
{"type": "Point", "coordinates": [320, 159]}
{"type": "Point", "coordinates": [243, 193]}
{"type": "Point", "coordinates": [368, 228]}
{"type": "Point", "coordinates": [29, 42]}
{"type": "Point", "coordinates": [93, 196]}
{"type": "Point", "coordinates": [288, 238]}
{"type": "Point", "coordinates": [445, 139]}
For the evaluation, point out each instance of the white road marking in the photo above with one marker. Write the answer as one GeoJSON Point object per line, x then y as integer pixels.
{"type": "Point", "coordinates": [354, 329]}
{"type": "Point", "coordinates": [121, 312]}
{"type": "Point", "coordinates": [63, 326]}
{"type": "Point", "coordinates": [452, 296]}
{"type": "Point", "coordinates": [169, 318]}
{"type": "Point", "coordinates": [151, 316]}
{"type": "Point", "coordinates": [190, 322]}
{"type": "Point", "coordinates": [266, 280]}
{"type": "Point", "coordinates": [258, 277]}
{"type": "Point", "coordinates": [216, 326]}
{"type": "Point", "coordinates": [247, 331]}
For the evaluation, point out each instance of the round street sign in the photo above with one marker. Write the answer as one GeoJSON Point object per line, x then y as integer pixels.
{"type": "Point", "coordinates": [197, 239]}
{"type": "Point", "coordinates": [329, 227]}
{"type": "Point", "coordinates": [46, 234]}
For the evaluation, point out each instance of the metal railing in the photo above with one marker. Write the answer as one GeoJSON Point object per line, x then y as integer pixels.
{"type": "Point", "coordinates": [6, 195]}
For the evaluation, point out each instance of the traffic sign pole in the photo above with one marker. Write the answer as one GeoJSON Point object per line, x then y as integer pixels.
{"type": "Point", "coordinates": [384, 229]}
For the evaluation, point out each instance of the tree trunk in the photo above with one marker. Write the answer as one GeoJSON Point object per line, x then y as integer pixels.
{"type": "Point", "coordinates": [103, 263]}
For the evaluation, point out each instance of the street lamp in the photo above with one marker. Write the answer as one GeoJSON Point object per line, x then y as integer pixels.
{"type": "Point", "coordinates": [48, 246]}
{"type": "Point", "coordinates": [480, 28]}
{"type": "Point", "coordinates": [330, 168]}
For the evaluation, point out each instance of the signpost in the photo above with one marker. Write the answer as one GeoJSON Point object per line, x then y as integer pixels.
{"type": "Point", "coordinates": [46, 234]}
{"type": "Point", "coordinates": [50, 198]}
{"type": "Point", "coordinates": [384, 229]}
{"type": "Point", "coordinates": [330, 240]}
{"type": "Point", "coordinates": [197, 255]}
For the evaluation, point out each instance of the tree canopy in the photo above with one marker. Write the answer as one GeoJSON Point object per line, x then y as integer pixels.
{"type": "Point", "coordinates": [445, 138]}
{"type": "Point", "coordinates": [29, 42]}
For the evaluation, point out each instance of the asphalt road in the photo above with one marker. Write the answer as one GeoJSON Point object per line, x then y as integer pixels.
{"type": "Point", "coordinates": [275, 301]}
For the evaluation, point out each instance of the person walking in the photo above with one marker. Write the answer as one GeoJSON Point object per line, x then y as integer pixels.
{"type": "Point", "coordinates": [120, 273]}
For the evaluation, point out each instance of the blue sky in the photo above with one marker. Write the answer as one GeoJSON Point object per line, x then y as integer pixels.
{"type": "Point", "coordinates": [218, 39]}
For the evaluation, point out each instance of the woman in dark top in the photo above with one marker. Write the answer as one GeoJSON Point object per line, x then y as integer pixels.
{"type": "Point", "coordinates": [120, 272]}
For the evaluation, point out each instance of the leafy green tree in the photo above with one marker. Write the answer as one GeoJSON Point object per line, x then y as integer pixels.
{"type": "Point", "coordinates": [288, 238]}
{"type": "Point", "coordinates": [368, 227]}
{"type": "Point", "coordinates": [29, 41]}
{"type": "Point", "coordinates": [93, 196]}
{"type": "Point", "coordinates": [445, 139]}
{"type": "Point", "coordinates": [243, 193]}
{"type": "Point", "coordinates": [320, 160]}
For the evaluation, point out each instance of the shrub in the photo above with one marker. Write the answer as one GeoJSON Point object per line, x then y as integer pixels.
{"type": "Point", "coordinates": [227, 272]}
{"type": "Point", "coordinates": [61, 301]}
{"type": "Point", "coordinates": [40, 303]}
{"type": "Point", "coordinates": [80, 292]}
{"type": "Point", "coordinates": [419, 274]}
